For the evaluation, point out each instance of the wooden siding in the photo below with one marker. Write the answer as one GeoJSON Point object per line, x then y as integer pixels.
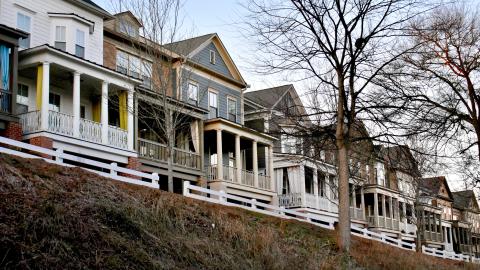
{"type": "Point", "coordinates": [204, 84]}
{"type": "Point", "coordinates": [203, 57]}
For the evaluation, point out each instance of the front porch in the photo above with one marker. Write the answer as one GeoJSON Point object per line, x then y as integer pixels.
{"type": "Point", "coordinates": [382, 207]}
{"type": "Point", "coordinates": [239, 160]}
{"type": "Point", "coordinates": [80, 106]}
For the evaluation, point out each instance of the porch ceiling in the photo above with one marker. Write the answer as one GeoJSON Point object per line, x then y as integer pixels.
{"type": "Point", "coordinates": [237, 129]}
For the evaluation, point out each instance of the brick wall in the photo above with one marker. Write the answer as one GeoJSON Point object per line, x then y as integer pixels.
{"type": "Point", "coordinates": [42, 142]}
{"type": "Point", "coordinates": [134, 164]}
{"type": "Point", "coordinates": [13, 131]}
{"type": "Point", "coordinates": [109, 55]}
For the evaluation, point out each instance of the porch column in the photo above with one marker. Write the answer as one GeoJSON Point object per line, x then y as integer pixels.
{"type": "Point", "coordinates": [375, 208]}
{"type": "Point", "coordinates": [130, 130]}
{"type": "Point", "coordinates": [104, 112]}
{"type": "Point", "coordinates": [315, 188]}
{"type": "Point", "coordinates": [45, 95]}
{"type": "Point", "coordinates": [362, 202]}
{"type": "Point", "coordinates": [391, 207]}
{"type": "Point", "coordinates": [255, 163]}
{"type": "Point", "coordinates": [384, 212]}
{"type": "Point", "coordinates": [76, 104]}
{"type": "Point", "coordinates": [238, 159]}
{"type": "Point", "coordinates": [219, 155]}
{"type": "Point", "coordinates": [270, 167]}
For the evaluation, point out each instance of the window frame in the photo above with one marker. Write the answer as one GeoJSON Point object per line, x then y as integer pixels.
{"type": "Point", "coordinates": [213, 57]}
{"type": "Point", "coordinates": [58, 41]}
{"type": "Point", "coordinates": [21, 27]}
{"type": "Point", "coordinates": [213, 93]}
{"type": "Point", "coordinates": [189, 96]}
{"type": "Point", "coordinates": [234, 100]}
{"type": "Point", "coordinates": [59, 102]}
{"type": "Point", "coordinates": [80, 45]}
{"type": "Point", "coordinates": [119, 67]}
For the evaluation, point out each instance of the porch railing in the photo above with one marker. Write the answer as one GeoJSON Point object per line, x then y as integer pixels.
{"type": "Point", "coordinates": [229, 174]}
{"type": "Point", "coordinates": [117, 137]}
{"type": "Point", "coordinates": [382, 222]}
{"type": "Point", "coordinates": [30, 122]}
{"type": "Point", "coordinates": [90, 130]}
{"type": "Point", "coordinates": [264, 182]}
{"type": "Point", "coordinates": [61, 123]}
{"type": "Point", "coordinates": [311, 201]}
{"type": "Point", "coordinates": [5, 101]}
{"type": "Point", "coordinates": [159, 152]}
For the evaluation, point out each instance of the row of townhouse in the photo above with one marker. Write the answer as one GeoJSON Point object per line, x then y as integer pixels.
{"type": "Point", "coordinates": [74, 78]}
{"type": "Point", "coordinates": [387, 192]}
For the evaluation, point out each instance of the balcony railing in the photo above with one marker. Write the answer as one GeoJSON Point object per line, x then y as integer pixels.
{"type": "Point", "coordinates": [408, 228]}
{"type": "Point", "coordinates": [159, 152]}
{"type": "Point", "coordinates": [246, 177]}
{"type": "Point", "coordinates": [5, 101]}
{"type": "Point", "coordinates": [432, 236]}
{"type": "Point", "coordinates": [311, 201]}
{"type": "Point", "coordinates": [382, 222]}
{"type": "Point", "coordinates": [61, 123]}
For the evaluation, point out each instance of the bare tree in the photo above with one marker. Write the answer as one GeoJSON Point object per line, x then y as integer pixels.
{"type": "Point", "coordinates": [161, 108]}
{"type": "Point", "coordinates": [439, 77]}
{"type": "Point", "coordinates": [341, 46]}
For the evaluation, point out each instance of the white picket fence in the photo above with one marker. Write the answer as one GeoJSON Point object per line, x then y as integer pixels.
{"type": "Point", "coordinates": [59, 157]}
{"type": "Point", "coordinates": [219, 197]}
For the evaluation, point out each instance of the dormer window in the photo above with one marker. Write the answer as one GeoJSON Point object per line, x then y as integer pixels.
{"type": "Point", "coordinates": [60, 38]}
{"type": "Point", "coordinates": [128, 28]}
{"type": "Point", "coordinates": [212, 57]}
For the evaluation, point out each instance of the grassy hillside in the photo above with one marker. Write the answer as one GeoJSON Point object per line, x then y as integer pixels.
{"type": "Point", "coordinates": [52, 217]}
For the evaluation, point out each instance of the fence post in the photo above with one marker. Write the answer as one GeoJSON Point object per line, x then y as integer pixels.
{"type": "Point", "coordinates": [58, 158]}
{"type": "Point", "coordinates": [282, 212]}
{"type": "Point", "coordinates": [309, 219]}
{"type": "Point", "coordinates": [186, 186]}
{"type": "Point", "coordinates": [113, 170]}
{"type": "Point", "coordinates": [156, 179]}
{"type": "Point", "coordinates": [221, 197]}
{"type": "Point", "coordinates": [254, 204]}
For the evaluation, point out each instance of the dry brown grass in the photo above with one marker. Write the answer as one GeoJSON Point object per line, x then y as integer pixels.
{"type": "Point", "coordinates": [53, 217]}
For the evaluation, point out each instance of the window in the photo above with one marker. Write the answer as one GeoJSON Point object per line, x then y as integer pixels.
{"type": "Point", "coordinates": [333, 186]}
{"type": "Point", "coordinates": [192, 93]}
{"type": "Point", "coordinates": [147, 74]}
{"type": "Point", "coordinates": [128, 28]}
{"type": "Point", "coordinates": [23, 23]}
{"type": "Point", "coordinates": [212, 57]}
{"type": "Point", "coordinates": [288, 144]}
{"type": "Point", "coordinates": [232, 109]}
{"type": "Point", "coordinates": [122, 62]}
{"type": "Point", "coordinates": [82, 111]}
{"type": "Point", "coordinates": [321, 185]}
{"type": "Point", "coordinates": [212, 104]}
{"type": "Point", "coordinates": [22, 98]}
{"type": "Point", "coordinates": [60, 38]}
{"type": "Point", "coordinates": [80, 44]}
{"type": "Point", "coordinates": [134, 66]}
{"type": "Point", "coordinates": [54, 102]}
{"type": "Point", "coordinates": [285, 182]}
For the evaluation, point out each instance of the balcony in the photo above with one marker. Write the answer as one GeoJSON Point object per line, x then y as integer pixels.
{"type": "Point", "coordinates": [159, 153]}
{"type": "Point", "coordinates": [5, 101]}
{"type": "Point", "coordinates": [432, 236]}
{"type": "Point", "coordinates": [312, 201]}
{"type": "Point", "coordinates": [247, 178]}
{"type": "Point", "coordinates": [62, 124]}
{"type": "Point", "coordinates": [408, 228]}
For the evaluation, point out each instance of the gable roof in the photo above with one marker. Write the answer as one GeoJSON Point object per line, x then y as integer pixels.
{"type": "Point", "coordinates": [399, 157]}
{"type": "Point", "coordinates": [433, 184]}
{"type": "Point", "coordinates": [462, 199]}
{"type": "Point", "coordinates": [129, 14]}
{"type": "Point", "coordinates": [187, 46]}
{"type": "Point", "coordinates": [268, 97]}
{"type": "Point", "coordinates": [190, 47]}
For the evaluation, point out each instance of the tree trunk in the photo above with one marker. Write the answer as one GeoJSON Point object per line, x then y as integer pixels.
{"type": "Point", "coordinates": [170, 142]}
{"type": "Point", "coordinates": [343, 229]}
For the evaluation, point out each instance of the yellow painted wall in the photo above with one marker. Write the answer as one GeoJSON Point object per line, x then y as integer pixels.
{"type": "Point", "coordinates": [39, 86]}
{"type": "Point", "coordinates": [122, 108]}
